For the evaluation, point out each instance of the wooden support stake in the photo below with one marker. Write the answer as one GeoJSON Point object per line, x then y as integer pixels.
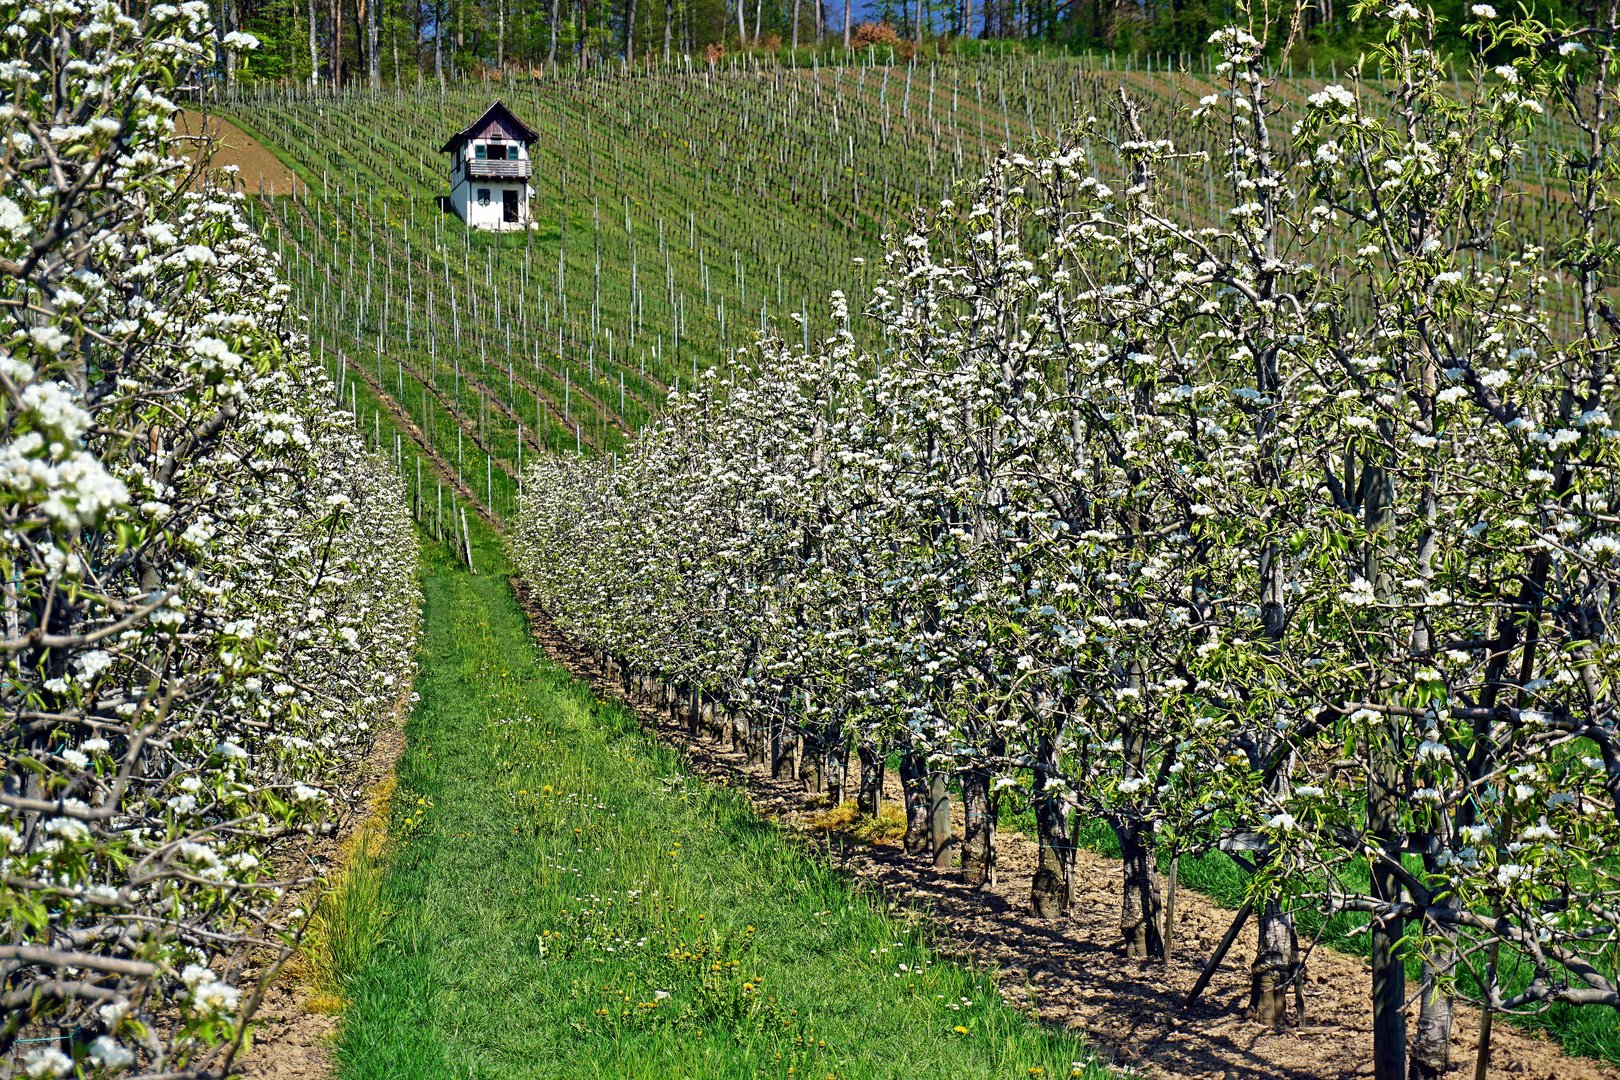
{"type": "Point", "coordinates": [1170, 908]}
{"type": "Point", "coordinates": [1220, 954]}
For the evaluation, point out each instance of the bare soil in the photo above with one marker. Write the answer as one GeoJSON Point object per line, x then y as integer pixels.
{"type": "Point", "coordinates": [262, 173]}
{"type": "Point", "coordinates": [1073, 972]}
{"type": "Point", "coordinates": [296, 1025]}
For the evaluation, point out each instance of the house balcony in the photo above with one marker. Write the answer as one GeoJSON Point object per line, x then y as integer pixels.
{"type": "Point", "coordinates": [482, 169]}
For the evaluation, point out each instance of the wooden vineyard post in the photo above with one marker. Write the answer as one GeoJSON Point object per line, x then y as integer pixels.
{"type": "Point", "coordinates": [1170, 907]}
{"type": "Point", "coordinates": [466, 540]}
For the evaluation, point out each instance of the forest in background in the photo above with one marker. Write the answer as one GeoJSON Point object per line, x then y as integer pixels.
{"type": "Point", "coordinates": [335, 43]}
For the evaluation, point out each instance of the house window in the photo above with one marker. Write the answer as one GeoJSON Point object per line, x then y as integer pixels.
{"type": "Point", "coordinates": [483, 196]}
{"type": "Point", "coordinates": [480, 151]}
{"type": "Point", "coordinates": [497, 152]}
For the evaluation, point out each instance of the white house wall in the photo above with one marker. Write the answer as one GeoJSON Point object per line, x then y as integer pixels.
{"type": "Point", "coordinates": [480, 216]}
{"type": "Point", "coordinates": [464, 193]}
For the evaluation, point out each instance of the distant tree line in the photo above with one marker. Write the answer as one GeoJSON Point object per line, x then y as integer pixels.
{"type": "Point", "coordinates": [342, 42]}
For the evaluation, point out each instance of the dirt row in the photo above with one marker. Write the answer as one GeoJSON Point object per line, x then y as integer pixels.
{"type": "Point", "coordinates": [262, 173]}
{"type": "Point", "coordinates": [1072, 971]}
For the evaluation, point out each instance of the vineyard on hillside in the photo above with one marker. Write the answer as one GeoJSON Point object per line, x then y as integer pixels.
{"type": "Point", "coordinates": [679, 214]}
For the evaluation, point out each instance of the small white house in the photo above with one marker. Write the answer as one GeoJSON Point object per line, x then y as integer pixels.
{"type": "Point", "coordinates": [489, 171]}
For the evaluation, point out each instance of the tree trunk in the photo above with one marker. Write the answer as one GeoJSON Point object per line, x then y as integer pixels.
{"type": "Point", "coordinates": [337, 45]}
{"type": "Point", "coordinates": [797, 5]}
{"type": "Point", "coordinates": [584, 32]}
{"type": "Point", "coordinates": [361, 37]}
{"type": "Point", "coordinates": [1272, 972]}
{"type": "Point", "coordinates": [500, 36]}
{"type": "Point", "coordinates": [919, 27]}
{"type": "Point", "coordinates": [914, 780]}
{"type": "Point", "coordinates": [669, 27]}
{"type": "Point", "coordinates": [551, 57]}
{"type": "Point", "coordinates": [979, 839]}
{"type": "Point", "coordinates": [1482, 1048]}
{"type": "Point", "coordinates": [630, 31]}
{"type": "Point", "coordinates": [1139, 916]}
{"type": "Point", "coordinates": [762, 746]}
{"type": "Point", "coordinates": [939, 820]}
{"type": "Point", "coordinates": [781, 750]}
{"type": "Point", "coordinates": [1385, 775]}
{"type": "Point", "coordinates": [1169, 906]}
{"type": "Point", "coordinates": [225, 25]}
{"type": "Point", "coordinates": [219, 39]}
{"type": "Point", "coordinates": [1049, 894]}
{"type": "Point", "coordinates": [813, 764]}
{"type": "Point", "coordinates": [870, 797]}
{"type": "Point", "coordinates": [838, 769]}
{"type": "Point", "coordinates": [847, 27]}
{"type": "Point", "coordinates": [438, 45]}
{"type": "Point", "coordinates": [314, 54]}
{"type": "Point", "coordinates": [1389, 971]}
{"type": "Point", "coordinates": [418, 49]}
{"type": "Point", "coordinates": [1431, 1043]}
{"type": "Point", "coordinates": [742, 24]}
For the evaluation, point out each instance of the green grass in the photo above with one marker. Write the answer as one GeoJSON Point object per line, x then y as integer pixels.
{"type": "Point", "coordinates": [348, 924]}
{"type": "Point", "coordinates": [554, 871]}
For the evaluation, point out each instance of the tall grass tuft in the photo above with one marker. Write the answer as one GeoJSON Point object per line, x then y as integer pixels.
{"type": "Point", "coordinates": [349, 919]}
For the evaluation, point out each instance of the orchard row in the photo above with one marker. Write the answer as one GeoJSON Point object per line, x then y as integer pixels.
{"type": "Point", "coordinates": [209, 600]}
{"type": "Point", "coordinates": [1288, 530]}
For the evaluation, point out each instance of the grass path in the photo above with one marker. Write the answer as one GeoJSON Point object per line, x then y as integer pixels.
{"type": "Point", "coordinates": [563, 900]}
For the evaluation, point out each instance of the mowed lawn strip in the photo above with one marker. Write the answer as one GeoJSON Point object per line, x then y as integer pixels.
{"type": "Point", "coordinates": [563, 900]}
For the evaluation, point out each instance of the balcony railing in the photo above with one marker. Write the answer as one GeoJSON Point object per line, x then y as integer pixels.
{"type": "Point", "coordinates": [482, 169]}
